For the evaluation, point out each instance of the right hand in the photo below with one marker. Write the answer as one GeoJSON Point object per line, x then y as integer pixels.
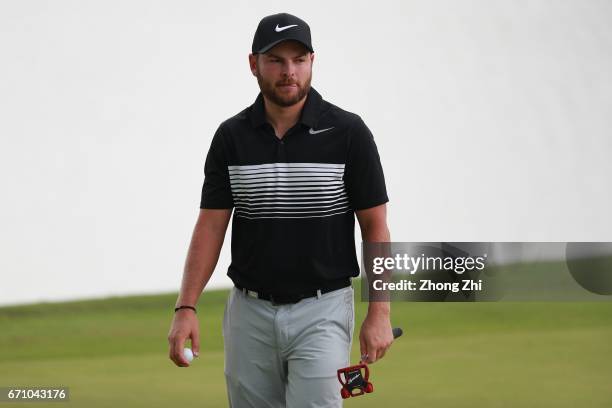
{"type": "Point", "coordinates": [184, 325]}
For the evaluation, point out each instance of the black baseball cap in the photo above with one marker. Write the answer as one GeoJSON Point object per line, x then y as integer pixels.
{"type": "Point", "coordinates": [280, 27]}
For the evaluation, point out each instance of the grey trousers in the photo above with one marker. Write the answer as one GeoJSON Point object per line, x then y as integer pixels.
{"type": "Point", "coordinates": [287, 355]}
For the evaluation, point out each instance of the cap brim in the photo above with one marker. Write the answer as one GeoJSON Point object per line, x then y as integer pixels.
{"type": "Point", "coordinates": [272, 44]}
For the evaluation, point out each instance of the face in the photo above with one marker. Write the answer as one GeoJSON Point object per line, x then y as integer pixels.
{"type": "Point", "coordinates": [284, 72]}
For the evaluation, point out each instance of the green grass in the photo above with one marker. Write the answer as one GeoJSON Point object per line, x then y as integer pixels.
{"type": "Point", "coordinates": [113, 352]}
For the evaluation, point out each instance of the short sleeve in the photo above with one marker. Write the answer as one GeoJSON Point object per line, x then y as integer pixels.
{"type": "Point", "coordinates": [363, 173]}
{"type": "Point", "coordinates": [216, 190]}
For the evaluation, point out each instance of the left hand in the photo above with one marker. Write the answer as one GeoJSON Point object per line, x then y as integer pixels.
{"type": "Point", "coordinates": [375, 337]}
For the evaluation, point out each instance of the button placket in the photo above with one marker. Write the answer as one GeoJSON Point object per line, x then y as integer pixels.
{"type": "Point", "coordinates": [281, 153]}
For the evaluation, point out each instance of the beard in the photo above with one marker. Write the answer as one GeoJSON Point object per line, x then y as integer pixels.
{"type": "Point", "coordinates": [271, 91]}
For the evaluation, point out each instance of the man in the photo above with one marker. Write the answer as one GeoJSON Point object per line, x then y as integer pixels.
{"type": "Point", "coordinates": [296, 170]}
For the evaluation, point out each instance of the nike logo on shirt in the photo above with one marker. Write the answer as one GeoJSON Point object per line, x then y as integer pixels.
{"type": "Point", "coordinates": [314, 132]}
{"type": "Point", "coordinates": [279, 29]}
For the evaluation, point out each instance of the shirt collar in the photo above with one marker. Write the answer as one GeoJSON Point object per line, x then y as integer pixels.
{"type": "Point", "coordinates": [308, 116]}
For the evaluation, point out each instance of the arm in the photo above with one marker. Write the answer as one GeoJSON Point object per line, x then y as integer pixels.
{"type": "Point", "coordinates": [206, 243]}
{"type": "Point", "coordinates": [376, 335]}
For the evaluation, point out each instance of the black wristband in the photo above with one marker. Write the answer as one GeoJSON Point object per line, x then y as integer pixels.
{"type": "Point", "coordinates": [185, 307]}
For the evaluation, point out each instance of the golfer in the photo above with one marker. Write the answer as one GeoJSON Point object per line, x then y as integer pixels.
{"type": "Point", "coordinates": [296, 170]}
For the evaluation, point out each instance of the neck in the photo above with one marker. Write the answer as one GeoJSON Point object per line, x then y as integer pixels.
{"type": "Point", "coordinates": [283, 118]}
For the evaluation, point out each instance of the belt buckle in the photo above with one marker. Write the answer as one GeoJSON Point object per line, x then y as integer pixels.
{"type": "Point", "coordinates": [274, 302]}
{"type": "Point", "coordinates": [277, 302]}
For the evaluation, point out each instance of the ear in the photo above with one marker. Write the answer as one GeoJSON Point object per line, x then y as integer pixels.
{"type": "Point", "coordinates": [311, 57]}
{"type": "Point", "coordinates": [253, 64]}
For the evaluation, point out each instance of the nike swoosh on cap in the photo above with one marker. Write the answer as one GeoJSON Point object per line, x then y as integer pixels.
{"type": "Point", "coordinates": [279, 29]}
{"type": "Point", "coordinates": [314, 132]}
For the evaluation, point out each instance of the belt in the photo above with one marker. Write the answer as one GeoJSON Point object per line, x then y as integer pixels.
{"type": "Point", "coordinates": [283, 299]}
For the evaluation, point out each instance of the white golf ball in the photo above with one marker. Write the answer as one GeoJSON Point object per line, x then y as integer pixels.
{"type": "Point", "coordinates": [188, 354]}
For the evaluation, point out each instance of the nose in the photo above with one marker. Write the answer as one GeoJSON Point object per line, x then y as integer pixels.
{"type": "Point", "coordinates": [288, 69]}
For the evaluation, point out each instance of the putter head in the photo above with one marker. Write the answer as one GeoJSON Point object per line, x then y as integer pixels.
{"type": "Point", "coordinates": [354, 380]}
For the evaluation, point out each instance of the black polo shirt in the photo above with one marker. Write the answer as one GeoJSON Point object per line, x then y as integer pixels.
{"type": "Point", "coordinates": [294, 198]}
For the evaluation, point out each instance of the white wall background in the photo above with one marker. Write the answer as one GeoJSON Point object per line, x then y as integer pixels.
{"type": "Point", "coordinates": [492, 118]}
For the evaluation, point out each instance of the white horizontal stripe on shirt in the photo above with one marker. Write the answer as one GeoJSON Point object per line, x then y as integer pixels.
{"type": "Point", "coordinates": [289, 185]}
{"type": "Point", "coordinates": [289, 192]}
{"type": "Point", "coordinates": [250, 179]}
{"type": "Point", "coordinates": [294, 207]}
{"type": "Point", "coordinates": [286, 190]}
{"type": "Point", "coordinates": [319, 166]}
{"type": "Point", "coordinates": [286, 173]}
{"type": "Point", "coordinates": [288, 212]}
{"type": "Point", "coordinates": [274, 201]}
{"type": "Point", "coordinates": [292, 216]}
